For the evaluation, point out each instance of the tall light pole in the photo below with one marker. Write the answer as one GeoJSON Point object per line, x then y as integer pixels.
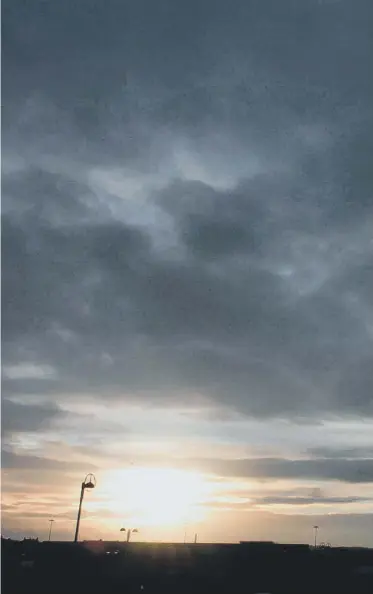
{"type": "Point", "coordinates": [50, 529]}
{"type": "Point", "coordinates": [129, 531]}
{"type": "Point", "coordinates": [88, 483]}
{"type": "Point", "coordinates": [315, 529]}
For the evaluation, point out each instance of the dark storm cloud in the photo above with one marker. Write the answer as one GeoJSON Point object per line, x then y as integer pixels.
{"type": "Point", "coordinates": [247, 68]}
{"type": "Point", "coordinates": [264, 303]}
{"type": "Point", "coordinates": [100, 305]}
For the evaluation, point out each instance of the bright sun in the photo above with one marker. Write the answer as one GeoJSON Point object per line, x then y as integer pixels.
{"type": "Point", "coordinates": [155, 496]}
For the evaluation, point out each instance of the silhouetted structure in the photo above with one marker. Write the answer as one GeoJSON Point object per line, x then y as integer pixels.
{"type": "Point", "coordinates": [88, 483]}
{"type": "Point", "coordinates": [98, 567]}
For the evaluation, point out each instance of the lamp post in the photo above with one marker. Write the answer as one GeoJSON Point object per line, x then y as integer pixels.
{"type": "Point", "coordinates": [88, 483]}
{"type": "Point", "coordinates": [50, 529]}
{"type": "Point", "coordinates": [315, 529]}
{"type": "Point", "coordinates": [129, 531]}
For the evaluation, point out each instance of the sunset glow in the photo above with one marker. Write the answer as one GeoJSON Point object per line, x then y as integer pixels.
{"type": "Point", "coordinates": [155, 496]}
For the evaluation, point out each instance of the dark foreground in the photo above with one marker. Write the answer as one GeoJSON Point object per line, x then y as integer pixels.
{"type": "Point", "coordinates": [110, 568]}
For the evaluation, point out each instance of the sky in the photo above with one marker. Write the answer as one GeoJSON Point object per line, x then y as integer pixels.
{"type": "Point", "coordinates": [187, 271]}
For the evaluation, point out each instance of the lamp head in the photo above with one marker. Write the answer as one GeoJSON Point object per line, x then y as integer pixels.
{"type": "Point", "coordinates": [89, 481]}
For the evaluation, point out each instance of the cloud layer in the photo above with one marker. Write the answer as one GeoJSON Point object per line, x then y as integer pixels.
{"type": "Point", "coordinates": [187, 225]}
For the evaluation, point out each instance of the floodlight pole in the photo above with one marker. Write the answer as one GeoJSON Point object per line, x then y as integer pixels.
{"type": "Point", "coordinates": [88, 483]}
{"type": "Point", "coordinates": [79, 514]}
{"type": "Point", "coordinates": [50, 529]}
{"type": "Point", "coordinates": [315, 529]}
{"type": "Point", "coordinates": [129, 531]}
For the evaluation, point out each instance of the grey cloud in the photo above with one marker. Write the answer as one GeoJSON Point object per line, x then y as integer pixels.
{"type": "Point", "coordinates": [108, 311]}
{"type": "Point", "coordinates": [246, 67]}
{"type": "Point", "coordinates": [32, 386]}
{"type": "Point", "coordinates": [220, 224]}
{"type": "Point", "coordinates": [43, 261]}
{"type": "Point", "coordinates": [21, 480]}
{"type": "Point", "coordinates": [356, 383]}
{"type": "Point", "coordinates": [264, 303]}
{"type": "Point", "coordinates": [34, 515]}
{"type": "Point", "coordinates": [279, 500]}
{"type": "Point", "coordinates": [23, 418]}
{"type": "Point", "coordinates": [349, 453]}
{"type": "Point", "coordinates": [11, 460]}
{"type": "Point", "coordinates": [41, 196]}
{"type": "Point", "coordinates": [345, 470]}
{"type": "Point", "coordinates": [309, 500]}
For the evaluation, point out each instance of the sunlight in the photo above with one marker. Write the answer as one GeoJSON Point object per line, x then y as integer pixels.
{"type": "Point", "coordinates": [156, 496]}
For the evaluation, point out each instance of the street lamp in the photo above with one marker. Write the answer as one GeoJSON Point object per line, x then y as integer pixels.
{"type": "Point", "coordinates": [88, 483]}
{"type": "Point", "coordinates": [129, 531]}
{"type": "Point", "coordinates": [50, 529]}
{"type": "Point", "coordinates": [315, 529]}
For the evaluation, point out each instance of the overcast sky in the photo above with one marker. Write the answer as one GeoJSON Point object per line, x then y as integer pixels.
{"type": "Point", "coordinates": [187, 272]}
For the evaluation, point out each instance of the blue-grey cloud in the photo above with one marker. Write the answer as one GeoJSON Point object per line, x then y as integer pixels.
{"type": "Point", "coordinates": [342, 469]}
{"type": "Point", "coordinates": [98, 303]}
{"type": "Point", "coordinates": [348, 453]}
{"type": "Point", "coordinates": [257, 120]}
{"type": "Point", "coordinates": [23, 417]}
{"type": "Point", "coordinates": [269, 500]}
